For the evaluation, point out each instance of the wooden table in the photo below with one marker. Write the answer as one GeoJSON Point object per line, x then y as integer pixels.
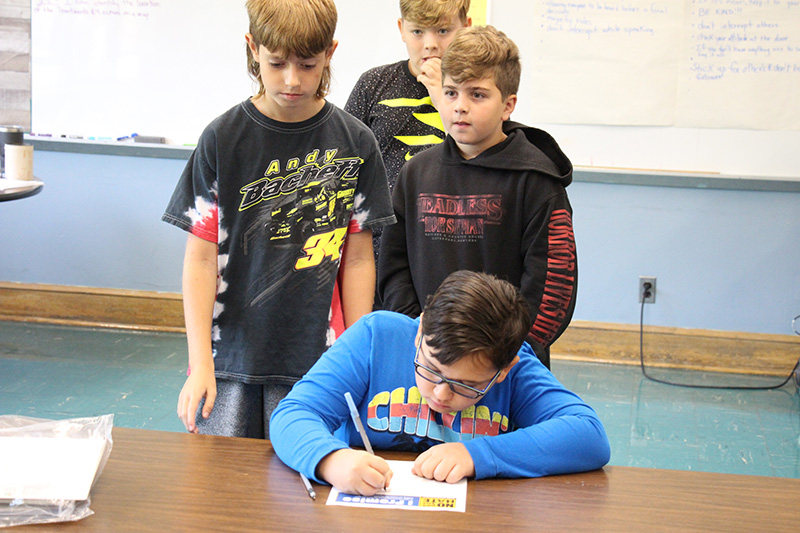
{"type": "Point", "coordinates": [161, 481]}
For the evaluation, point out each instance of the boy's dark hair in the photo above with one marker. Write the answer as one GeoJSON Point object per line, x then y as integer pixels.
{"type": "Point", "coordinates": [429, 13]}
{"type": "Point", "coordinates": [473, 313]}
{"type": "Point", "coordinates": [481, 52]}
{"type": "Point", "coordinates": [301, 27]}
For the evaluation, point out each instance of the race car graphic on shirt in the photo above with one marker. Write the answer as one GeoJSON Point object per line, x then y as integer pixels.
{"type": "Point", "coordinates": [303, 200]}
{"type": "Point", "coordinates": [302, 207]}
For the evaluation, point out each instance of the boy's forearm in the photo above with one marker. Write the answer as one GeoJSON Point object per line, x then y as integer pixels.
{"type": "Point", "coordinates": [302, 426]}
{"type": "Point", "coordinates": [357, 277]}
{"type": "Point", "coordinates": [549, 282]}
{"type": "Point", "coordinates": [562, 445]}
{"type": "Point", "coordinates": [300, 439]}
{"type": "Point", "coordinates": [199, 295]}
{"type": "Point", "coordinates": [358, 292]}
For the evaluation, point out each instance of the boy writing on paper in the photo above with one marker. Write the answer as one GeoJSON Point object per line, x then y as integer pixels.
{"type": "Point", "coordinates": [281, 189]}
{"type": "Point", "coordinates": [491, 198]}
{"type": "Point", "coordinates": [457, 384]}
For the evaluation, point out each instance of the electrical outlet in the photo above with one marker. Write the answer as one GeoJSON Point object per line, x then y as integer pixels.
{"type": "Point", "coordinates": [647, 289]}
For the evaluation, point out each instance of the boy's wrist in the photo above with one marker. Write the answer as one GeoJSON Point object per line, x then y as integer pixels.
{"type": "Point", "coordinates": [326, 467]}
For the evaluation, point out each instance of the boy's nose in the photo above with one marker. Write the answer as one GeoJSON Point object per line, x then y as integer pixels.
{"type": "Point", "coordinates": [290, 77]}
{"type": "Point", "coordinates": [442, 391]}
{"type": "Point", "coordinates": [431, 42]}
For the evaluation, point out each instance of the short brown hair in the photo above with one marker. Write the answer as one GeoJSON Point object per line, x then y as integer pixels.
{"type": "Point", "coordinates": [301, 27]}
{"type": "Point", "coordinates": [481, 52]}
{"type": "Point", "coordinates": [429, 13]}
{"type": "Point", "coordinates": [473, 313]}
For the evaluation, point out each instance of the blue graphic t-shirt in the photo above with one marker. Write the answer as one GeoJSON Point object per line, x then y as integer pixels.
{"type": "Point", "coordinates": [528, 425]}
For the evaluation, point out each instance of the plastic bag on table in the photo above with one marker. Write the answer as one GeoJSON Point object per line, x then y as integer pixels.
{"type": "Point", "coordinates": [20, 503]}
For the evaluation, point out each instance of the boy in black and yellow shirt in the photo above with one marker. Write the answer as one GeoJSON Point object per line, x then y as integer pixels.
{"type": "Point", "coordinates": [397, 101]}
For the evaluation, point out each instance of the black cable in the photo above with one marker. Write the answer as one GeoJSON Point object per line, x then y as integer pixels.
{"type": "Point", "coordinates": [732, 387]}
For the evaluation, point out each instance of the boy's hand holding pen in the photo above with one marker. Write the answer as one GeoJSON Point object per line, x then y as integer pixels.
{"type": "Point", "coordinates": [356, 471]}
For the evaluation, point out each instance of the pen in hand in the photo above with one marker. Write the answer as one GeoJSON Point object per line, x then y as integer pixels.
{"type": "Point", "coordinates": [357, 421]}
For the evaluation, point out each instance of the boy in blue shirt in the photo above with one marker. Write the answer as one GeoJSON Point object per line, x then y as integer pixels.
{"type": "Point", "coordinates": [490, 198]}
{"type": "Point", "coordinates": [456, 384]}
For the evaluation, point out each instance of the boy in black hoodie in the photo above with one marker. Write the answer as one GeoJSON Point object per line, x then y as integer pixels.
{"type": "Point", "coordinates": [490, 198]}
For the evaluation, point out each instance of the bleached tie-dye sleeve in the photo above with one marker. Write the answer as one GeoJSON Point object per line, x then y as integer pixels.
{"type": "Point", "coordinates": [204, 216]}
{"type": "Point", "coordinates": [194, 205]}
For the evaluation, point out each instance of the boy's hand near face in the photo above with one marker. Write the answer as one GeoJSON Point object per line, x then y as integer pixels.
{"type": "Point", "coordinates": [448, 462]}
{"type": "Point", "coordinates": [431, 77]}
{"type": "Point", "coordinates": [355, 471]}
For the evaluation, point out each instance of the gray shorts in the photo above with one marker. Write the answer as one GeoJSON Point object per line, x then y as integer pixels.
{"type": "Point", "coordinates": [241, 410]}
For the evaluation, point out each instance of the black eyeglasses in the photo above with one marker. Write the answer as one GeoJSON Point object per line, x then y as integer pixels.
{"type": "Point", "coordinates": [456, 386]}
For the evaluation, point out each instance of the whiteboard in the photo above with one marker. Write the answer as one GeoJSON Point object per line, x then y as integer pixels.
{"type": "Point", "coordinates": [109, 68]}
{"type": "Point", "coordinates": [651, 85]}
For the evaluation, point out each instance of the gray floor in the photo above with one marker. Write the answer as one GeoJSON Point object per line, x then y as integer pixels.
{"type": "Point", "coordinates": [63, 372]}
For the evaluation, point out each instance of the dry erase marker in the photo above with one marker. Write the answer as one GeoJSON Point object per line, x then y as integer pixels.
{"type": "Point", "coordinates": [357, 422]}
{"type": "Point", "coordinates": [308, 486]}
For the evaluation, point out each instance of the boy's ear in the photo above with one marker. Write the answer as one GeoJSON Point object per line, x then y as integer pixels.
{"type": "Point", "coordinates": [331, 50]}
{"type": "Point", "coordinates": [468, 23]}
{"type": "Point", "coordinates": [510, 104]}
{"type": "Point", "coordinates": [419, 331]}
{"type": "Point", "coordinates": [251, 43]}
{"type": "Point", "coordinates": [506, 370]}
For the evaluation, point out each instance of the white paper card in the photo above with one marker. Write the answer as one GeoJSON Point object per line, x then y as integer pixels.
{"type": "Point", "coordinates": [408, 491]}
{"type": "Point", "coordinates": [48, 468]}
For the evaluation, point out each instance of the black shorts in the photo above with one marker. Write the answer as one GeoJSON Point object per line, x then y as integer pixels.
{"type": "Point", "coordinates": [241, 410]}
